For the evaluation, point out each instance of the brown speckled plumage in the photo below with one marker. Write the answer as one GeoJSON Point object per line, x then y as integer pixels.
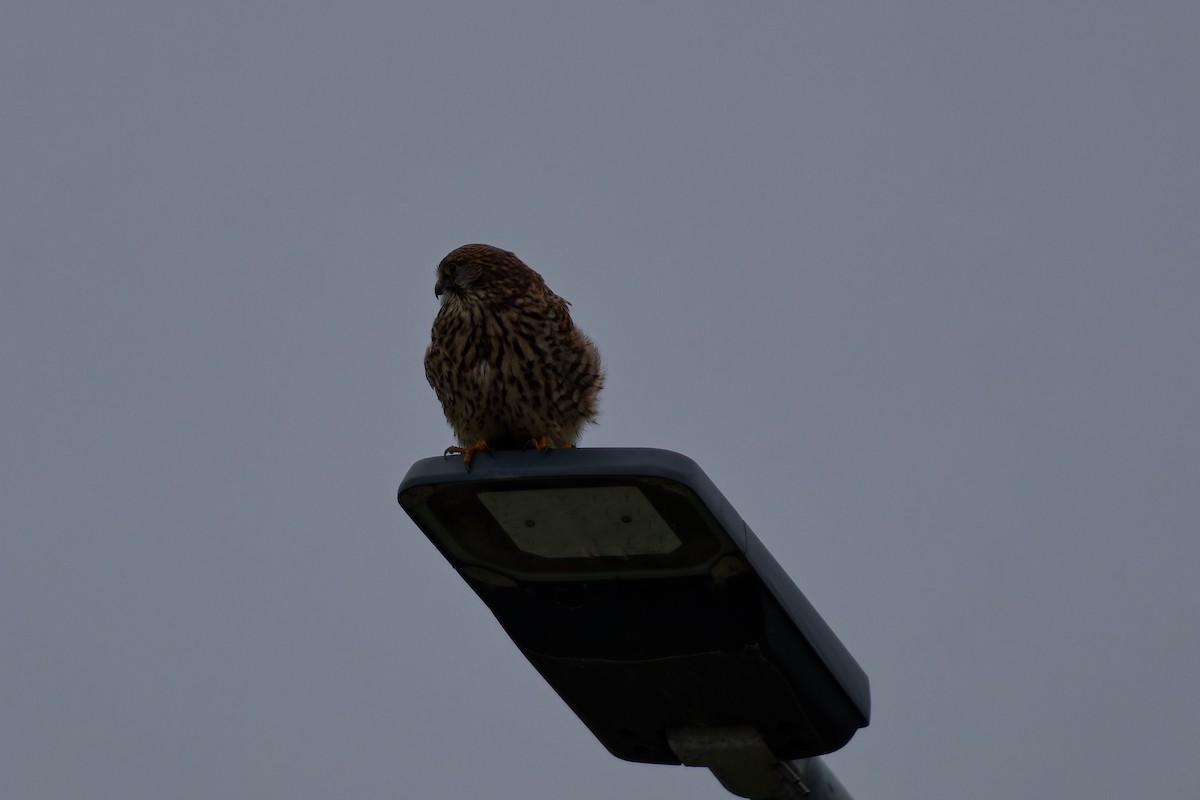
{"type": "Point", "coordinates": [507, 363]}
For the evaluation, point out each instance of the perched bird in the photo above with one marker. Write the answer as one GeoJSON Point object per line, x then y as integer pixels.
{"type": "Point", "coordinates": [507, 363]}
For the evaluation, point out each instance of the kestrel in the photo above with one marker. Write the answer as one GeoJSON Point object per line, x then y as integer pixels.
{"type": "Point", "coordinates": [507, 363]}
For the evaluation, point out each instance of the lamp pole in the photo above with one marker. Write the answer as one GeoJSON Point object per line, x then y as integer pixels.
{"type": "Point", "coordinates": [742, 764]}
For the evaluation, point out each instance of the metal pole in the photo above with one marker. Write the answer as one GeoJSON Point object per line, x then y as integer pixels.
{"type": "Point", "coordinates": [812, 779]}
{"type": "Point", "coordinates": [739, 758]}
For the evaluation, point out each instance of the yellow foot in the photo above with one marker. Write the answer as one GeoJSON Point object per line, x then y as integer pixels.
{"type": "Point", "coordinates": [469, 453]}
{"type": "Point", "coordinates": [545, 443]}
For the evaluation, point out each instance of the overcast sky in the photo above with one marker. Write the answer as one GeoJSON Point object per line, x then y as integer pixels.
{"type": "Point", "coordinates": [916, 285]}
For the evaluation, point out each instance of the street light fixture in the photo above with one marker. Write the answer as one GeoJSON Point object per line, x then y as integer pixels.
{"type": "Point", "coordinates": [642, 597]}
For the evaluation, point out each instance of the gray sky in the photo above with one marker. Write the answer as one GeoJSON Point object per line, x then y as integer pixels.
{"type": "Point", "coordinates": [916, 284]}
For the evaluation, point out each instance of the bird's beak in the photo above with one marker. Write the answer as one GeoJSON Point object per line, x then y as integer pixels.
{"type": "Point", "coordinates": [439, 288]}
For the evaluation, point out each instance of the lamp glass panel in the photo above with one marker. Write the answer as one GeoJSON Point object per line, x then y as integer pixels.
{"type": "Point", "coordinates": [581, 523]}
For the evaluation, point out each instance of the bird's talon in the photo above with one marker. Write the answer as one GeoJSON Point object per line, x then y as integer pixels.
{"type": "Point", "coordinates": [545, 443]}
{"type": "Point", "coordinates": [469, 453]}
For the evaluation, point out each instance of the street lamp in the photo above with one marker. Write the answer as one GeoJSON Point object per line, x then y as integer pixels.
{"type": "Point", "coordinates": [642, 597]}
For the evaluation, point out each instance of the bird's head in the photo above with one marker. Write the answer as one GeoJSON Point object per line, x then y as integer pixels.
{"type": "Point", "coordinates": [479, 272]}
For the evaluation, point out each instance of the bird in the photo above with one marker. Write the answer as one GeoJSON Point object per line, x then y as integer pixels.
{"type": "Point", "coordinates": [506, 361]}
